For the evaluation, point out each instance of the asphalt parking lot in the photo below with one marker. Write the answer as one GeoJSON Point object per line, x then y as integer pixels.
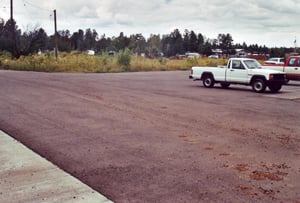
{"type": "Point", "coordinates": [158, 136]}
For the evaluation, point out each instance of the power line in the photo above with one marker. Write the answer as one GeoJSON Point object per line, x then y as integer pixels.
{"type": "Point", "coordinates": [49, 12]}
{"type": "Point", "coordinates": [3, 7]}
{"type": "Point", "coordinates": [35, 6]}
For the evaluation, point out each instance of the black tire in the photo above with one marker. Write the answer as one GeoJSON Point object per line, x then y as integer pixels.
{"type": "Point", "coordinates": [208, 81]}
{"type": "Point", "coordinates": [275, 87]}
{"type": "Point", "coordinates": [225, 85]}
{"type": "Point", "coordinates": [259, 85]}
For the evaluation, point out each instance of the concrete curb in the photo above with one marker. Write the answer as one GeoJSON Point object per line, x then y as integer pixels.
{"type": "Point", "coordinates": [27, 177]}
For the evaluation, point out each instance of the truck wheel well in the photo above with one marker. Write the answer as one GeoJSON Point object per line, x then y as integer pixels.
{"type": "Point", "coordinates": [257, 77]}
{"type": "Point", "coordinates": [204, 74]}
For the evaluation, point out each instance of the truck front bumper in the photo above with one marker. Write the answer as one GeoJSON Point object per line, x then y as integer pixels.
{"type": "Point", "coordinates": [278, 79]}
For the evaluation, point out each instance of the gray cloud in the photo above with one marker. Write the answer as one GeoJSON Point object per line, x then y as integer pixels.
{"type": "Point", "coordinates": [274, 23]}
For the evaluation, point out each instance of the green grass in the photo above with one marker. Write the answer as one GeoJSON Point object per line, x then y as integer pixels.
{"type": "Point", "coordinates": [79, 62]}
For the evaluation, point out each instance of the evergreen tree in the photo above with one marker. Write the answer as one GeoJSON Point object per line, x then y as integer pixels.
{"type": "Point", "coordinates": [154, 45]}
{"type": "Point", "coordinates": [193, 42]}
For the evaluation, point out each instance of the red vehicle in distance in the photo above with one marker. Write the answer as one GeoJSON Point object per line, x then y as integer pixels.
{"type": "Point", "coordinates": [291, 67]}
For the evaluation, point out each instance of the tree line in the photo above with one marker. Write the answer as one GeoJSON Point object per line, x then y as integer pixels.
{"type": "Point", "coordinates": [18, 43]}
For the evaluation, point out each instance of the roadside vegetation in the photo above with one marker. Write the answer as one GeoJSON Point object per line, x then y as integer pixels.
{"type": "Point", "coordinates": [124, 61]}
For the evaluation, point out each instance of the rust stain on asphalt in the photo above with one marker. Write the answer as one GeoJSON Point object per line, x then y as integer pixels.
{"type": "Point", "coordinates": [247, 190]}
{"type": "Point", "coordinates": [224, 154]}
{"type": "Point", "coordinates": [242, 167]}
{"type": "Point", "coordinates": [263, 175]}
{"type": "Point", "coordinates": [208, 148]}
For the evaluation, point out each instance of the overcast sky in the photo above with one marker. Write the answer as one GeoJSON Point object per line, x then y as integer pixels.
{"type": "Point", "coordinates": [272, 23]}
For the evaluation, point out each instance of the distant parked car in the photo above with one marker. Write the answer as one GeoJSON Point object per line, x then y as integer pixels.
{"type": "Point", "coordinates": [90, 52]}
{"type": "Point", "coordinates": [214, 56]}
{"type": "Point", "coordinates": [192, 55]}
{"type": "Point", "coordinates": [274, 60]}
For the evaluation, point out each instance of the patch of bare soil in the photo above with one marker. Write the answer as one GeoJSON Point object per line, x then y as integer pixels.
{"type": "Point", "coordinates": [263, 175]}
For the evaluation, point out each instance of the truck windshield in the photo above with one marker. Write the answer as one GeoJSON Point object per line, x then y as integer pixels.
{"type": "Point", "coordinates": [252, 64]}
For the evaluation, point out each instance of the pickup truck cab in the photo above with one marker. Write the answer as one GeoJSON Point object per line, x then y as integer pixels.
{"type": "Point", "coordinates": [291, 67]}
{"type": "Point", "coordinates": [244, 71]}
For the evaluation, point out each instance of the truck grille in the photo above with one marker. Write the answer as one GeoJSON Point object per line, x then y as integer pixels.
{"type": "Point", "coordinates": [278, 76]}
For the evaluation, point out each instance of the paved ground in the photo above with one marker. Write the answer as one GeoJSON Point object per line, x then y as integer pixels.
{"type": "Point", "coordinates": [157, 136]}
{"type": "Point", "coordinates": [27, 177]}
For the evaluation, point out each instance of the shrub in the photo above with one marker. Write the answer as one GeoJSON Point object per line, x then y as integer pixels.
{"type": "Point", "coordinates": [124, 59]}
{"type": "Point", "coordinates": [213, 63]}
{"type": "Point", "coordinates": [162, 61]}
{"type": "Point", "coordinates": [192, 61]}
{"type": "Point", "coordinates": [5, 54]}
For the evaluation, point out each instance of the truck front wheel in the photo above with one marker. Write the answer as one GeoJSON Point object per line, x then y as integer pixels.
{"type": "Point", "coordinates": [275, 87]}
{"type": "Point", "coordinates": [258, 85]}
{"type": "Point", "coordinates": [208, 81]}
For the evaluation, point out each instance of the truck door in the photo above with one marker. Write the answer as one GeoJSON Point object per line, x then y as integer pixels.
{"type": "Point", "coordinates": [292, 69]}
{"type": "Point", "coordinates": [237, 72]}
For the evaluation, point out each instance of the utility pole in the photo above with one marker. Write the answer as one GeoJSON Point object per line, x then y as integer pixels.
{"type": "Point", "coordinates": [295, 44]}
{"type": "Point", "coordinates": [11, 10]}
{"type": "Point", "coordinates": [55, 35]}
{"type": "Point", "coordinates": [12, 21]}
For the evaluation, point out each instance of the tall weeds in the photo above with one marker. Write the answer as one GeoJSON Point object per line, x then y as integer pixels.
{"type": "Point", "coordinates": [101, 63]}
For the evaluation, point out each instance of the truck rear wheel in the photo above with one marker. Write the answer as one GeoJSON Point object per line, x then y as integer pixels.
{"type": "Point", "coordinates": [258, 85]}
{"type": "Point", "coordinates": [275, 87]}
{"type": "Point", "coordinates": [208, 81]}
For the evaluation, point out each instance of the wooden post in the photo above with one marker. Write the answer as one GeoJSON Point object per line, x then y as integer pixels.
{"type": "Point", "coordinates": [11, 10]}
{"type": "Point", "coordinates": [13, 33]}
{"type": "Point", "coordinates": [55, 35]}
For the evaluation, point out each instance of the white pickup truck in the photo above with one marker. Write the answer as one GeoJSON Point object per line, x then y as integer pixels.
{"type": "Point", "coordinates": [240, 71]}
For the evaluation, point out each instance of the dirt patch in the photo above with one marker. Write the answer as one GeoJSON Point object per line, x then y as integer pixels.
{"type": "Point", "coordinates": [224, 154]}
{"type": "Point", "coordinates": [272, 166]}
{"type": "Point", "coordinates": [247, 190]}
{"type": "Point", "coordinates": [242, 167]}
{"type": "Point", "coordinates": [236, 130]}
{"type": "Point", "coordinates": [269, 192]}
{"type": "Point", "coordinates": [263, 175]}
